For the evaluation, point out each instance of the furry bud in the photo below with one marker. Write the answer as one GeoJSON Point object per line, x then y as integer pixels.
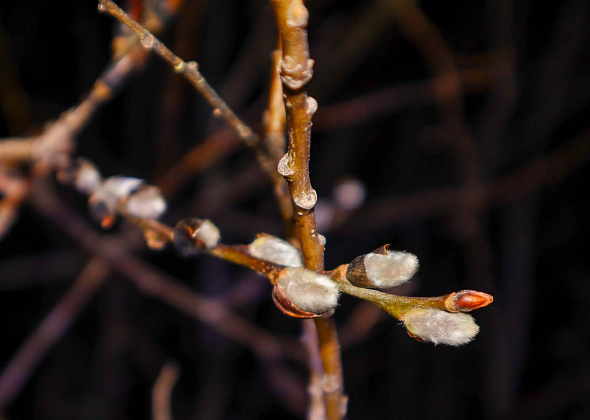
{"type": "Point", "coordinates": [382, 268]}
{"type": "Point", "coordinates": [106, 197]}
{"type": "Point", "coordinates": [440, 327]}
{"type": "Point", "coordinates": [273, 249]}
{"type": "Point", "coordinates": [303, 291]}
{"type": "Point", "coordinates": [191, 236]}
{"type": "Point", "coordinates": [83, 174]}
{"type": "Point", "coordinates": [146, 203]}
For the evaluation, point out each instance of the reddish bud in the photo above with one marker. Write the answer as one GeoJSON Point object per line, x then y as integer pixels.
{"type": "Point", "coordinates": [468, 300]}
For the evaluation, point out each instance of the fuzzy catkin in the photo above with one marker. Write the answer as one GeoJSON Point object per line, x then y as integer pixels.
{"type": "Point", "coordinates": [392, 269]}
{"type": "Point", "coordinates": [440, 327]}
{"type": "Point", "coordinates": [275, 250]}
{"type": "Point", "coordinates": [308, 291]}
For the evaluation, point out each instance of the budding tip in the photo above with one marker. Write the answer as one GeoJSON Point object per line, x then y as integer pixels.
{"type": "Point", "coordinates": [469, 300]}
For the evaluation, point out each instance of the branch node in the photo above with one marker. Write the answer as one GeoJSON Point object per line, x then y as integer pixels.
{"type": "Point", "coordinates": [180, 67]}
{"type": "Point", "coordinates": [306, 201]}
{"type": "Point", "coordinates": [299, 16]}
{"type": "Point", "coordinates": [147, 40]}
{"type": "Point", "coordinates": [283, 166]}
{"type": "Point", "coordinates": [293, 75]}
{"type": "Point", "coordinates": [312, 106]}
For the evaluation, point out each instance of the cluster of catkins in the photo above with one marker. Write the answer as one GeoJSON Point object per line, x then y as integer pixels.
{"type": "Point", "coordinates": [302, 292]}
{"type": "Point", "coordinates": [297, 291]}
{"type": "Point", "coordinates": [116, 194]}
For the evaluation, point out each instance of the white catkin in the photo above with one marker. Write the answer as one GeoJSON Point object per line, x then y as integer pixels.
{"type": "Point", "coordinates": [209, 234]}
{"type": "Point", "coordinates": [392, 269]}
{"type": "Point", "coordinates": [113, 190]}
{"type": "Point", "coordinates": [308, 291]}
{"type": "Point", "coordinates": [276, 250]}
{"type": "Point", "coordinates": [147, 203]}
{"type": "Point", "coordinates": [440, 327]}
{"type": "Point", "coordinates": [120, 186]}
{"type": "Point", "coordinates": [88, 179]}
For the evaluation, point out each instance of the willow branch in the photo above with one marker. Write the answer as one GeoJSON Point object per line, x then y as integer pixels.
{"type": "Point", "coordinates": [56, 142]}
{"type": "Point", "coordinates": [158, 285]}
{"type": "Point", "coordinates": [296, 71]}
{"type": "Point", "coordinates": [189, 70]}
{"type": "Point", "coordinates": [274, 145]}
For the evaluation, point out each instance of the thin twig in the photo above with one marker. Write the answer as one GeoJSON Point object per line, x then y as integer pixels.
{"type": "Point", "coordinates": [161, 393]}
{"type": "Point", "coordinates": [189, 70]}
{"type": "Point", "coordinates": [51, 329]}
{"type": "Point", "coordinates": [317, 408]}
{"type": "Point", "coordinates": [390, 100]}
{"type": "Point", "coordinates": [54, 145]}
{"type": "Point", "coordinates": [274, 146]}
{"type": "Point", "coordinates": [152, 283]}
{"type": "Point", "coordinates": [527, 179]}
{"type": "Point", "coordinates": [14, 191]}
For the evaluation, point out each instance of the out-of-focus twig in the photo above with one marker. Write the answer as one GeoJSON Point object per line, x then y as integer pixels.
{"type": "Point", "coordinates": [392, 99]}
{"type": "Point", "coordinates": [51, 329]}
{"type": "Point", "coordinates": [13, 191]}
{"type": "Point", "coordinates": [14, 102]}
{"type": "Point", "coordinates": [196, 160]}
{"type": "Point", "coordinates": [317, 408]}
{"type": "Point", "coordinates": [274, 146]}
{"type": "Point", "coordinates": [162, 390]}
{"type": "Point", "coordinates": [527, 179]}
{"type": "Point", "coordinates": [153, 283]}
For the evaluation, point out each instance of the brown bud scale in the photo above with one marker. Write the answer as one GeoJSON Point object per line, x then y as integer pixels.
{"type": "Point", "coordinates": [287, 307]}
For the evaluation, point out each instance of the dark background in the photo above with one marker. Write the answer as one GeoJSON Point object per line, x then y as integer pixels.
{"type": "Point", "coordinates": [525, 241]}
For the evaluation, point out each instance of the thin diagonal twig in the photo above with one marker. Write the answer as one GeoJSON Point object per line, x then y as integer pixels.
{"type": "Point", "coordinates": [190, 70]}
{"type": "Point", "coordinates": [51, 329]}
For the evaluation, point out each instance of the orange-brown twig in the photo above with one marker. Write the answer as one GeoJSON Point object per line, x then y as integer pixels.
{"type": "Point", "coordinates": [161, 409]}
{"type": "Point", "coordinates": [296, 71]}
